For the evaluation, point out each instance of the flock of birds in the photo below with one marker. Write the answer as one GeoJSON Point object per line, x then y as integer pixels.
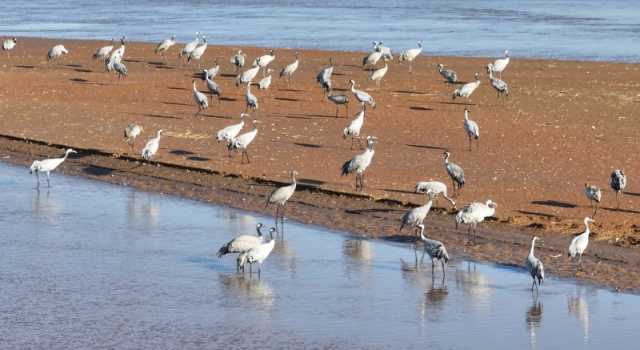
{"type": "Point", "coordinates": [253, 248]}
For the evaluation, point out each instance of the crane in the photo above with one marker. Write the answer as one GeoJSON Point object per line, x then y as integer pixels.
{"type": "Point", "coordinates": [165, 45]}
{"type": "Point", "coordinates": [242, 244]}
{"type": "Point", "coordinates": [436, 251]}
{"type": "Point", "coordinates": [455, 173]}
{"type": "Point", "coordinates": [264, 60]}
{"type": "Point", "coordinates": [290, 69]}
{"type": "Point", "coordinates": [248, 75]}
{"type": "Point", "coordinates": [416, 216]}
{"type": "Point", "coordinates": [594, 194]}
{"type": "Point", "coordinates": [580, 242]}
{"type": "Point", "coordinates": [535, 266]}
{"type": "Point", "coordinates": [280, 196]}
{"type": "Point", "coordinates": [450, 76]}
{"type": "Point", "coordinates": [360, 163]}
{"type": "Point", "coordinates": [260, 253]}
{"type": "Point", "coordinates": [190, 46]}
{"type": "Point", "coordinates": [200, 98]}
{"type": "Point", "coordinates": [212, 86]}
{"type": "Point", "coordinates": [243, 141]}
{"type": "Point", "coordinates": [8, 45]}
{"type": "Point", "coordinates": [411, 54]}
{"type": "Point", "coordinates": [56, 52]}
{"type": "Point", "coordinates": [437, 188]}
{"type": "Point", "coordinates": [230, 132]}
{"type": "Point", "coordinates": [213, 71]}
{"type": "Point", "coordinates": [471, 128]}
{"type": "Point", "coordinates": [152, 146]}
{"type": "Point", "coordinates": [467, 89]}
{"type": "Point", "coordinates": [618, 184]}
{"type": "Point", "coordinates": [251, 100]}
{"type": "Point", "coordinates": [103, 52]}
{"type": "Point", "coordinates": [324, 77]}
{"type": "Point", "coordinates": [120, 69]}
{"type": "Point", "coordinates": [197, 53]}
{"type": "Point", "coordinates": [47, 166]}
{"type": "Point", "coordinates": [238, 60]}
{"type": "Point", "coordinates": [362, 96]}
{"type": "Point", "coordinates": [501, 87]}
{"type": "Point", "coordinates": [339, 100]}
{"type": "Point", "coordinates": [499, 65]}
{"type": "Point", "coordinates": [475, 213]}
{"type": "Point", "coordinates": [132, 131]}
{"type": "Point", "coordinates": [353, 129]}
{"type": "Point", "coordinates": [378, 74]}
{"type": "Point", "coordinates": [265, 82]}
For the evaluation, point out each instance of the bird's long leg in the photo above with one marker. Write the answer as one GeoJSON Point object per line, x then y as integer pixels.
{"type": "Point", "coordinates": [617, 200]}
{"type": "Point", "coordinates": [250, 270]}
{"type": "Point", "coordinates": [247, 154]}
{"type": "Point", "coordinates": [533, 284]}
{"type": "Point", "coordinates": [337, 110]}
{"type": "Point", "coordinates": [282, 216]}
{"type": "Point", "coordinates": [469, 142]}
{"type": "Point", "coordinates": [277, 212]}
{"type": "Point", "coordinates": [48, 180]}
{"type": "Point", "coordinates": [259, 269]}
{"type": "Point", "coordinates": [433, 267]}
{"type": "Point", "coordinates": [443, 269]}
{"type": "Point", "coordinates": [37, 180]}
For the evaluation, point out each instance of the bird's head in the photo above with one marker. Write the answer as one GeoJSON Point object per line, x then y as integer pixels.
{"type": "Point", "coordinates": [272, 230]}
{"type": "Point", "coordinates": [477, 75]}
{"type": "Point", "coordinates": [588, 220]}
{"type": "Point", "coordinates": [34, 166]}
{"type": "Point", "coordinates": [446, 155]}
{"type": "Point", "coordinates": [491, 204]}
{"type": "Point", "coordinates": [160, 132]}
{"type": "Point", "coordinates": [455, 94]}
{"type": "Point", "coordinates": [440, 67]}
{"type": "Point", "coordinates": [14, 40]}
{"type": "Point", "coordinates": [123, 40]}
{"type": "Point", "coordinates": [293, 173]}
{"type": "Point", "coordinates": [506, 53]}
{"type": "Point", "coordinates": [243, 115]}
{"type": "Point", "coordinates": [489, 68]}
{"type": "Point", "coordinates": [259, 225]}
{"type": "Point", "coordinates": [173, 37]}
{"type": "Point", "coordinates": [271, 52]}
{"type": "Point", "coordinates": [536, 238]}
{"type": "Point", "coordinates": [69, 151]}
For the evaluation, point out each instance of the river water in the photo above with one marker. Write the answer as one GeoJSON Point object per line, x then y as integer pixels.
{"type": "Point", "coordinates": [573, 29]}
{"type": "Point", "coordinates": [92, 265]}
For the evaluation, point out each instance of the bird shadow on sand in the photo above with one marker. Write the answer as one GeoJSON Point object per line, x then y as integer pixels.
{"type": "Point", "coordinates": [228, 99]}
{"type": "Point", "coordinates": [308, 145]}
{"type": "Point", "coordinates": [632, 194]}
{"type": "Point", "coordinates": [536, 213]}
{"type": "Point", "coordinates": [73, 65]}
{"type": "Point", "coordinates": [160, 116]}
{"type": "Point", "coordinates": [95, 170]}
{"type": "Point", "coordinates": [291, 90]}
{"type": "Point", "coordinates": [86, 82]}
{"type": "Point", "coordinates": [181, 152]}
{"type": "Point", "coordinates": [217, 116]}
{"type": "Point", "coordinates": [439, 148]}
{"type": "Point", "coordinates": [311, 182]}
{"type": "Point", "coordinates": [176, 104]}
{"type": "Point", "coordinates": [83, 70]}
{"type": "Point", "coordinates": [286, 99]}
{"type": "Point", "coordinates": [176, 88]}
{"type": "Point", "coordinates": [198, 159]}
{"type": "Point", "coordinates": [372, 210]}
{"type": "Point", "coordinates": [553, 203]}
{"type": "Point", "coordinates": [398, 191]}
{"type": "Point", "coordinates": [132, 60]}
{"type": "Point", "coordinates": [409, 92]}
{"type": "Point", "coordinates": [228, 75]}
{"type": "Point", "coordinates": [621, 210]}
{"type": "Point", "coordinates": [24, 66]}
{"type": "Point", "coordinates": [419, 108]}
{"type": "Point", "coordinates": [456, 103]}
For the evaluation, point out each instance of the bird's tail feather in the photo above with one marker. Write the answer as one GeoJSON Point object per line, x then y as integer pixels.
{"type": "Point", "coordinates": [346, 169]}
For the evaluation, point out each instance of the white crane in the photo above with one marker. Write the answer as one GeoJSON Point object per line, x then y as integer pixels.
{"type": "Point", "coordinates": [416, 216]}
{"type": "Point", "coordinates": [197, 53]}
{"type": "Point", "coordinates": [411, 54]}
{"type": "Point", "coordinates": [580, 242]}
{"type": "Point", "coordinates": [200, 98]}
{"type": "Point", "coordinates": [47, 166]}
{"type": "Point", "coordinates": [324, 77]}
{"type": "Point", "coordinates": [499, 65]}
{"type": "Point", "coordinates": [259, 254]}
{"type": "Point", "coordinates": [535, 266]}
{"type": "Point", "coordinates": [243, 141]}
{"type": "Point", "coordinates": [238, 60]}
{"type": "Point", "coordinates": [152, 146]}
{"type": "Point", "coordinates": [471, 128]}
{"type": "Point", "coordinates": [436, 251]}
{"type": "Point", "coordinates": [378, 74]}
{"type": "Point", "coordinates": [339, 100]}
{"type": "Point", "coordinates": [117, 55]}
{"type": "Point", "coordinates": [280, 196]}
{"type": "Point", "coordinates": [103, 52]}
{"type": "Point", "coordinates": [8, 45]}
{"type": "Point", "coordinates": [501, 87]}
{"type": "Point", "coordinates": [618, 184]}
{"type": "Point", "coordinates": [243, 257]}
{"type": "Point", "coordinates": [594, 194]}
{"type": "Point", "coordinates": [213, 71]}
{"type": "Point", "coordinates": [475, 213]}
{"type": "Point", "coordinates": [437, 188]}
{"type": "Point", "coordinates": [265, 82]}
{"type": "Point", "coordinates": [190, 46]}
{"type": "Point", "coordinates": [362, 96]}
{"type": "Point", "coordinates": [251, 100]}
{"type": "Point", "coordinates": [386, 51]}
{"type": "Point", "coordinates": [372, 59]}
{"type": "Point", "coordinates": [455, 173]}
{"type": "Point", "coordinates": [264, 60]}
{"type": "Point", "coordinates": [450, 76]}
{"type": "Point", "coordinates": [120, 69]}
{"type": "Point", "coordinates": [132, 131]}
{"type": "Point", "coordinates": [230, 132]}
{"type": "Point", "coordinates": [212, 86]}
{"type": "Point", "coordinates": [165, 45]}
{"type": "Point", "coordinates": [56, 52]}
{"type": "Point", "coordinates": [353, 129]}
{"type": "Point", "coordinates": [290, 69]}
{"type": "Point", "coordinates": [247, 76]}
{"type": "Point", "coordinates": [360, 163]}
{"type": "Point", "coordinates": [467, 89]}
{"type": "Point", "coordinates": [242, 244]}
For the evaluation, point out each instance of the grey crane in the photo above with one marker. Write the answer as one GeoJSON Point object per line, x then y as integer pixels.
{"type": "Point", "coordinates": [467, 89]}
{"type": "Point", "coordinates": [618, 184]}
{"type": "Point", "coordinates": [339, 100]}
{"type": "Point", "coordinates": [280, 196]}
{"type": "Point", "coordinates": [455, 173]}
{"type": "Point", "coordinates": [535, 266]}
{"type": "Point", "coordinates": [238, 60]}
{"type": "Point", "coordinates": [165, 45]}
{"type": "Point", "coordinates": [450, 76]}
{"type": "Point", "coordinates": [362, 96]}
{"type": "Point", "coordinates": [132, 131]}
{"type": "Point", "coordinates": [251, 100]}
{"type": "Point", "coordinates": [475, 213]}
{"type": "Point", "coordinates": [360, 163]}
{"type": "Point", "coordinates": [437, 188]}
{"type": "Point", "coordinates": [416, 216]}
{"type": "Point", "coordinates": [471, 128]}
{"type": "Point", "coordinates": [242, 142]}
{"type": "Point", "coordinates": [152, 146]}
{"type": "Point", "coordinates": [213, 71]}
{"type": "Point", "coordinates": [200, 98]}
{"type": "Point", "coordinates": [324, 77]}
{"type": "Point", "coordinates": [212, 86]}
{"type": "Point", "coordinates": [436, 251]}
{"type": "Point", "coordinates": [594, 195]}
{"type": "Point", "coordinates": [290, 69]}
{"type": "Point", "coordinates": [353, 129]}
{"type": "Point", "coordinates": [580, 242]}
{"type": "Point", "coordinates": [47, 166]}
{"type": "Point", "coordinates": [411, 54]}
{"type": "Point", "coordinates": [56, 52]}
{"type": "Point", "coordinates": [120, 69]}
{"type": "Point", "coordinates": [501, 87]}
{"type": "Point", "coordinates": [103, 52]}
{"type": "Point", "coordinates": [241, 244]}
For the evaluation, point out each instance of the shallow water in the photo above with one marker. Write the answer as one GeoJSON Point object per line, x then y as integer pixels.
{"type": "Point", "coordinates": [576, 29]}
{"type": "Point", "coordinates": [91, 265]}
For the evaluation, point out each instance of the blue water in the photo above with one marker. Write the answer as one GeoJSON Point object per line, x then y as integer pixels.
{"type": "Point", "coordinates": [585, 29]}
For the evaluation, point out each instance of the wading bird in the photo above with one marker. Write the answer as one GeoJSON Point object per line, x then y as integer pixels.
{"type": "Point", "coordinates": [165, 45]}
{"type": "Point", "coordinates": [353, 129]}
{"type": "Point", "coordinates": [120, 69]}
{"type": "Point", "coordinates": [132, 131]}
{"type": "Point", "coordinates": [116, 55]}
{"type": "Point", "coordinates": [238, 60]}
{"type": "Point", "coordinates": [467, 89]}
{"type": "Point", "coordinates": [500, 86]}
{"type": "Point", "coordinates": [8, 45]}
{"type": "Point", "coordinates": [594, 194]}
{"type": "Point", "coordinates": [259, 254]}
{"type": "Point", "coordinates": [450, 76]}
{"type": "Point", "coordinates": [152, 146]}
{"type": "Point", "coordinates": [247, 76]}
{"type": "Point", "coordinates": [213, 71]}
{"type": "Point", "coordinates": [455, 173]}
{"type": "Point", "coordinates": [190, 46]}
{"type": "Point", "coordinates": [47, 166]}
{"type": "Point", "coordinates": [242, 244]}
{"type": "Point", "coordinates": [251, 100]}
{"type": "Point", "coordinates": [280, 196]}
{"type": "Point", "coordinates": [290, 69]}
{"type": "Point", "coordinates": [200, 98]}
{"type": "Point", "coordinates": [372, 58]}
{"type": "Point", "coordinates": [265, 82]}
{"type": "Point", "coordinates": [475, 213]}
{"type": "Point", "coordinates": [499, 65]}
{"type": "Point", "coordinates": [324, 77]}
{"type": "Point", "coordinates": [436, 251]}
{"type": "Point", "coordinates": [212, 86]}
{"type": "Point", "coordinates": [339, 100]}
{"type": "Point", "coordinates": [618, 184]}
{"type": "Point", "coordinates": [535, 267]}
{"type": "Point", "coordinates": [411, 54]}
{"type": "Point", "coordinates": [228, 133]}
{"type": "Point", "coordinates": [243, 141]}
{"type": "Point", "coordinates": [362, 96]}
{"type": "Point", "coordinates": [471, 128]}
{"type": "Point", "coordinates": [264, 60]}
{"type": "Point", "coordinates": [378, 74]}
{"type": "Point", "coordinates": [103, 52]}
{"type": "Point", "coordinates": [386, 51]}
{"type": "Point", "coordinates": [360, 163]}
{"type": "Point", "coordinates": [197, 53]}
{"type": "Point", "coordinates": [580, 242]}
{"type": "Point", "coordinates": [437, 188]}
{"type": "Point", "coordinates": [416, 216]}
{"type": "Point", "coordinates": [56, 52]}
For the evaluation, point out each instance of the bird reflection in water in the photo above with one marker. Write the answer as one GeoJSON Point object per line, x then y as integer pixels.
{"type": "Point", "coordinates": [434, 299]}
{"type": "Point", "coordinates": [46, 206]}
{"type": "Point", "coordinates": [475, 285]}
{"type": "Point", "coordinates": [533, 317]}
{"type": "Point", "coordinates": [241, 290]}
{"type": "Point", "coordinates": [286, 256]}
{"type": "Point", "coordinates": [142, 210]}
{"type": "Point", "coordinates": [579, 308]}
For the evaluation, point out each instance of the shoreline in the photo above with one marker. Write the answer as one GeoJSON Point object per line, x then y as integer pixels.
{"type": "Point", "coordinates": [91, 109]}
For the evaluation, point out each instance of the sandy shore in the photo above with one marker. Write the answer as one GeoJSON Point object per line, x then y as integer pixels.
{"type": "Point", "coordinates": [565, 123]}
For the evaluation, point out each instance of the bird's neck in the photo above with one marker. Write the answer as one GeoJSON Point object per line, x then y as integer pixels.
{"type": "Point", "coordinates": [533, 244]}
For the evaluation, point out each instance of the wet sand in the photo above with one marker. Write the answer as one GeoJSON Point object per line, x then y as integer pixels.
{"type": "Point", "coordinates": [564, 124]}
